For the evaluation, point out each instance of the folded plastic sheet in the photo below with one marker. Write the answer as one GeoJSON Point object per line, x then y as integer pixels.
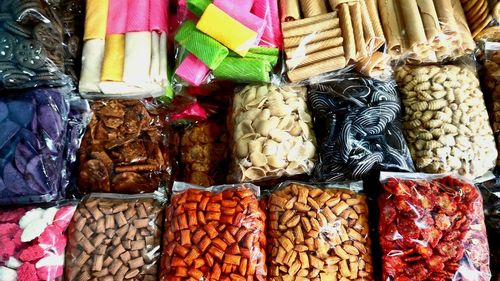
{"type": "Point", "coordinates": [243, 69]}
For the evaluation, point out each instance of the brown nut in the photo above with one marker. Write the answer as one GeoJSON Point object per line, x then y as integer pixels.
{"type": "Point", "coordinates": [118, 240]}
{"type": "Point", "coordinates": [326, 243]}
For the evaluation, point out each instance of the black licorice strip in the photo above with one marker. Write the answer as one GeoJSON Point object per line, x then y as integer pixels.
{"type": "Point", "coordinates": [363, 132]}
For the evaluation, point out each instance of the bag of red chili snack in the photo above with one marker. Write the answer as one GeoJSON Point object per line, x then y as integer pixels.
{"type": "Point", "coordinates": [432, 228]}
{"type": "Point", "coordinates": [214, 233]}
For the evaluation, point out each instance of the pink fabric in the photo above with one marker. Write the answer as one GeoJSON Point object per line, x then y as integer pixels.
{"type": "Point", "coordinates": [236, 6]}
{"type": "Point", "coordinates": [138, 15]}
{"type": "Point", "coordinates": [117, 17]}
{"type": "Point", "coordinates": [158, 15]}
{"type": "Point", "coordinates": [268, 10]}
{"type": "Point", "coordinates": [192, 70]}
{"type": "Point", "coordinates": [246, 18]}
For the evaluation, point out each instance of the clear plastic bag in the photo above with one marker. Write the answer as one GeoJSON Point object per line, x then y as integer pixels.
{"type": "Point", "coordinates": [125, 148]}
{"type": "Point", "coordinates": [445, 121]}
{"type": "Point", "coordinates": [32, 146]}
{"type": "Point", "coordinates": [357, 120]}
{"type": "Point", "coordinates": [317, 41]}
{"type": "Point", "coordinates": [432, 228]}
{"type": "Point", "coordinates": [425, 31]}
{"type": "Point", "coordinates": [115, 237]}
{"type": "Point", "coordinates": [33, 242]}
{"type": "Point", "coordinates": [227, 40]}
{"type": "Point", "coordinates": [125, 49]}
{"type": "Point", "coordinates": [319, 233]}
{"type": "Point", "coordinates": [214, 234]}
{"type": "Point", "coordinates": [272, 133]}
{"type": "Point", "coordinates": [31, 46]}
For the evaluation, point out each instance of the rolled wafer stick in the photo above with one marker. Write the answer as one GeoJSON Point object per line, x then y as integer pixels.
{"type": "Point", "coordinates": [298, 23]}
{"type": "Point", "coordinates": [372, 8]}
{"type": "Point", "coordinates": [372, 42]}
{"type": "Point", "coordinates": [303, 50]}
{"type": "Point", "coordinates": [446, 16]}
{"type": "Point", "coordinates": [291, 10]}
{"type": "Point", "coordinates": [413, 24]}
{"type": "Point", "coordinates": [311, 8]}
{"type": "Point", "coordinates": [430, 20]}
{"type": "Point", "coordinates": [357, 24]}
{"type": "Point", "coordinates": [315, 57]}
{"type": "Point", "coordinates": [312, 38]}
{"type": "Point", "coordinates": [347, 32]}
{"type": "Point", "coordinates": [375, 65]}
{"type": "Point", "coordinates": [312, 28]}
{"type": "Point", "coordinates": [311, 70]}
{"type": "Point", "coordinates": [467, 41]}
{"type": "Point", "coordinates": [389, 15]}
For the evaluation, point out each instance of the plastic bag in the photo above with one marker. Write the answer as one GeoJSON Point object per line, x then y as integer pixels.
{"type": "Point", "coordinates": [425, 31]}
{"type": "Point", "coordinates": [491, 197]}
{"type": "Point", "coordinates": [272, 133]}
{"type": "Point", "coordinates": [125, 49]}
{"type": "Point", "coordinates": [317, 41]}
{"type": "Point", "coordinates": [491, 83]}
{"type": "Point", "coordinates": [445, 121]}
{"type": "Point", "coordinates": [227, 40]}
{"type": "Point", "coordinates": [115, 237]}
{"type": "Point", "coordinates": [358, 122]}
{"type": "Point", "coordinates": [214, 234]}
{"type": "Point", "coordinates": [432, 228]}
{"type": "Point", "coordinates": [319, 233]}
{"type": "Point", "coordinates": [125, 148]}
{"type": "Point", "coordinates": [32, 143]}
{"type": "Point", "coordinates": [31, 48]}
{"type": "Point", "coordinates": [33, 242]}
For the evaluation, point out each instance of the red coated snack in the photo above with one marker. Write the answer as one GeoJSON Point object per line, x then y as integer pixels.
{"type": "Point", "coordinates": [125, 149]}
{"type": "Point", "coordinates": [215, 235]}
{"type": "Point", "coordinates": [432, 228]}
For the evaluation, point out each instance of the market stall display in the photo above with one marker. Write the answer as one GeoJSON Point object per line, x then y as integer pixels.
{"type": "Point", "coordinates": [115, 238]}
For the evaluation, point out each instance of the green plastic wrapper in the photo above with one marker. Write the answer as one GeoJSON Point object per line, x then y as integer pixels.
{"type": "Point", "coordinates": [243, 70]}
{"type": "Point", "coordinates": [197, 7]}
{"type": "Point", "coordinates": [268, 54]}
{"type": "Point", "coordinates": [204, 47]}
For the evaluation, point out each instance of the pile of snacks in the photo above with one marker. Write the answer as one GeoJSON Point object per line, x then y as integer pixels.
{"type": "Point", "coordinates": [491, 81]}
{"type": "Point", "coordinates": [125, 149]}
{"type": "Point", "coordinates": [319, 234]}
{"type": "Point", "coordinates": [478, 15]}
{"type": "Point", "coordinates": [446, 121]}
{"type": "Point", "coordinates": [272, 133]}
{"type": "Point", "coordinates": [432, 227]}
{"type": "Point", "coordinates": [114, 238]}
{"type": "Point", "coordinates": [214, 234]}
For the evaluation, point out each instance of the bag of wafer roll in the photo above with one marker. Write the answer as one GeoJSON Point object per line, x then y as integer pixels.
{"type": "Point", "coordinates": [425, 31]}
{"type": "Point", "coordinates": [323, 36]}
{"type": "Point", "coordinates": [227, 40]}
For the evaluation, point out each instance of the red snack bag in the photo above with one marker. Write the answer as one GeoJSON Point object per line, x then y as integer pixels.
{"type": "Point", "coordinates": [214, 233]}
{"type": "Point", "coordinates": [432, 228]}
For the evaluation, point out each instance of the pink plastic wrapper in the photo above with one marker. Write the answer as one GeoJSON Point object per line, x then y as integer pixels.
{"type": "Point", "coordinates": [32, 243]}
{"type": "Point", "coordinates": [158, 16]}
{"type": "Point", "coordinates": [268, 10]}
{"type": "Point", "coordinates": [117, 17]}
{"type": "Point", "coordinates": [138, 17]}
{"type": "Point", "coordinates": [192, 70]}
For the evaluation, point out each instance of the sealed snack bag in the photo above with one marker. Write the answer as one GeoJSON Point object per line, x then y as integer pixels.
{"type": "Point", "coordinates": [425, 31]}
{"type": "Point", "coordinates": [445, 120]}
{"type": "Point", "coordinates": [125, 49]}
{"type": "Point", "coordinates": [357, 120]}
{"type": "Point", "coordinates": [32, 52]}
{"type": "Point", "coordinates": [228, 40]}
{"type": "Point", "coordinates": [214, 234]}
{"type": "Point", "coordinates": [319, 233]}
{"type": "Point", "coordinates": [125, 148]}
{"type": "Point", "coordinates": [323, 36]}
{"type": "Point", "coordinates": [432, 228]}
{"type": "Point", "coordinates": [33, 242]}
{"type": "Point", "coordinates": [115, 237]}
{"type": "Point", "coordinates": [272, 133]}
{"type": "Point", "coordinates": [33, 138]}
